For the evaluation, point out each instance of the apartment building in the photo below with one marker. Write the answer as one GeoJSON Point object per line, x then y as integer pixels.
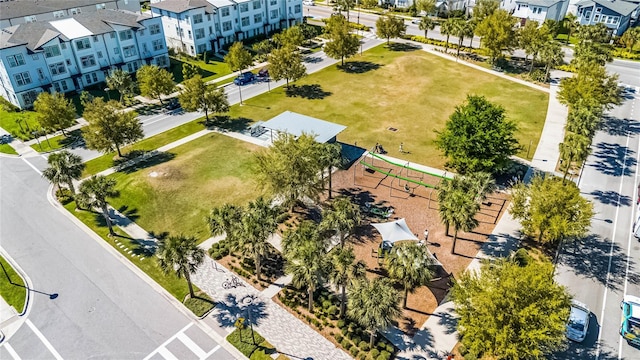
{"type": "Point", "coordinates": [196, 26]}
{"type": "Point", "coordinates": [73, 53]}
{"type": "Point", "coordinates": [536, 10]}
{"type": "Point", "coordinates": [26, 11]}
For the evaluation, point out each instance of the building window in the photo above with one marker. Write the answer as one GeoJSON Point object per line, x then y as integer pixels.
{"type": "Point", "coordinates": [83, 44]}
{"type": "Point", "coordinates": [29, 97]}
{"type": "Point", "coordinates": [161, 61]}
{"type": "Point", "coordinates": [189, 35]}
{"type": "Point", "coordinates": [75, 11]}
{"type": "Point", "coordinates": [226, 26]}
{"type": "Point", "coordinates": [199, 33]}
{"type": "Point", "coordinates": [100, 6]}
{"type": "Point", "coordinates": [30, 19]}
{"type": "Point", "coordinates": [129, 51]}
{"type": "Point", "coordinates": [256, 5]}
{"type": "Point", "coordinates": [22, 79]}
{"type": "Point", "coordinates": [225, 11]}
{"type": "Point", "coordinates": [99, 53]}
{"type": "Point", "coordinates": [273, 2]}
{"type": "Point", "coordinates": [40, 73]}
{"type": "Point", "coordinates": [126, 35]}
{"type": "Point", "coordinates": [87, 79]}
{"type": "Point", "coordinates": [244, 7]}
{"type": "Point", "coordinates": [245, 21]}
{"type": "Point", "coordinates": [141, 32]}
{"type": "Point", "coordinates": [34, 56]}
{"type": "Point", "coordinates": [116, 50]}
{"type": "Point", "coordinates": [297, 8]}
{"type": "Point", "coordinates": [144, 48]}
{"type": "Point", "coordinates": [88, 61]}
{"type": "Point", "coordinates": [132, 66]}
{"type": "Point", "coordinates": [58, 14]}
{"type": "Point", "coordinates": [154, 29]}
{"type": "Point", "coordinates": [15, 60]}
{"type": "Point", "coordinates": [157, 45]}
{"type": "Point", "coordinates": [51, 51]}
{"type": "Point", "coordinates": [257, 18]}
{"type": "Point", "coordinates": [112, 35]}
{"type": "Point", "coordinates": [197, 19]}
{"type": "Point", "coordinates": [68, 62]}
{"type": "Point", "coordinates": [95, 38]}
{"type": "Point", "coordinates": [274, 14]}
{"type": "Point", "coordinates": [596, 17]}
{"type": "Point", "coordinates": [57, 69]}
{"type": "Point", "coordinates": [202, 48]}
{"type": "Point", "coordinates": [63, 46]}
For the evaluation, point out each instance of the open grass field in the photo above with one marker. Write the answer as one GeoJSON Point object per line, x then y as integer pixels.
{"type": "Point", "coordinates": [12, 286]}
{"type": "Point", "coordinates": [9, 121]}
{"type": "Point", "coordinates": [411, 91]}
{"type": "Point", "coordinates": [176, 195]}
{"type": "Point", "coordinates": [212, 69]}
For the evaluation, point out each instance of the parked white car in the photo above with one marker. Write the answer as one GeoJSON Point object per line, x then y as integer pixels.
{"type": "Point", "coordinates": [309, 2]}
{"type": "Point", "coordinates": [578, 321]}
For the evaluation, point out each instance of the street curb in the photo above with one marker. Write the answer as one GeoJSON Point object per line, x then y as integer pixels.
{"type": "Point", "coordinates": [28, 300]}
{"type": "Point", "coordinates": [142, 275]}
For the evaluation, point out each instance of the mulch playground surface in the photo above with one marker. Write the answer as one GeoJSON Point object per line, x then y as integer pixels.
{"type": "Point", "coordinates": [419, 206]}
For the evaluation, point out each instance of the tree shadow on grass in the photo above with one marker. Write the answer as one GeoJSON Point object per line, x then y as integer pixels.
{"type": "Point", "coordinates": [613, 159]}
{"type": "Point", "coordinates": [233, 307]}
{"type": "Point", "coordinates": [132, 214]}
{"type": "Point", "coordinates": [227, 123]}
{"type": "Point", "coordinates": [312, 92]}
{"type": "Point", "coordinates": [147, 160]}
{"type": "Point", "coordinates": [403, 47]}
{"type": "Point", "coordinates": [359, 67]}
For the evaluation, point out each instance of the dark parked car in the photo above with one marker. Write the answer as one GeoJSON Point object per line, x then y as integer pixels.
{"type": "Point", "coordinates": [244, 78]}
{"type": "Point", "coordinates": [173, 104]}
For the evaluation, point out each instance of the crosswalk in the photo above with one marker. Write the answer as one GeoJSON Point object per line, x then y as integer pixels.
{"type": "Point", "coordinates": [190, 342]}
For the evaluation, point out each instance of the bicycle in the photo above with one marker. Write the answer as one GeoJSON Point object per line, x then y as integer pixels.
{"type": "Point", "coordinates": [232, 282]}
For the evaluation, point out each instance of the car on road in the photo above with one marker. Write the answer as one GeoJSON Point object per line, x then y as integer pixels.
{"type": "Point", "coordinates": [630, 326]}
{"type": "Point", "coordinates": [5, 139]}
{"type": "Point", "coordinates": [416, 21]}
{"type": "Point", "coordinates": [173, 104]}
{"type": "Point", "coordinates": [244, 78]}
{"type": "Point", "coordinates": [309, 3]}
{"type": "Point", "coordinates": [578, 323]}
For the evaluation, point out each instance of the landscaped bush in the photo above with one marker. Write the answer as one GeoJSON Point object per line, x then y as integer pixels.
{"type": "Point", "coordinates": [374, 353]}
{"type": "Point", "coordinates": [362, 356]}
{"type": "Point", "coordinates": [245, 346]}
{"type": "Point", "coordinates": [422, 39]}
{"type": "Point", "coordinates": [64, 196]}
{"type": "Point", "coordinates": [384, 355]}
{"type": "Point", "coordinates": [354, 351]}
{"type": "Point", "coordinates": [569, 68]}
{"type": "Point", "coordinates": [346, 344]}
{"type": "Point", "coordinates": [338, 337]}
{"type": "Point", "coordinates": [363, 345]}
{"type": "Point", "coordinates": [341, 324]}
{"type": "Point", "coordinates": [7, 106]}
{"type": "Point", "coordinates": [622, 53]}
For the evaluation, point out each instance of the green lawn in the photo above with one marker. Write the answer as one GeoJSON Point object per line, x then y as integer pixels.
{"type": "Point", "coordinates": [176, 195]}
{"type": "Point", "coordinates": [411, 91]}
{"type": "Point", "coordinates": [7, 149]}
{"type": "Point", "coordinates": [56, 142]}
{"type": "Point", "coordinates": [12, 286]}
{"type": "Point", "coordinates": [8, 121]}
{"type": "Point", "coordinates": [213, 69]}
{"type": "Point", "coordinates": [105, 161]}
{"type": "Point", "coordinates": [177, 287]}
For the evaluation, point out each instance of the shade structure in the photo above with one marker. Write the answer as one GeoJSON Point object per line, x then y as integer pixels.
{"type": "Point", "coordinates": [395, 231]}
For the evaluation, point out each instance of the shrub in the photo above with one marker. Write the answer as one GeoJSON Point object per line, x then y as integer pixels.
{"type": "Point", "coordinates": [356, 339]}
{"type": "Point", "coordinates": [338, 337]}
{"type": "Point", "coordinates": [64, 196]}
{"type": "Point", "coordinates": [333, 310]}
{"type": "Point", "coordinates": [354, 351]}
{"type": "Point", "coordinates": [622, 53]}
{"type": "Point", "coordinates": [283, 217]}
{"type": "Point", "coordinates": [568, 68]}
{"type": "Point", "coordinates": [326, 304]}
{"type": "Point", "coordinates": [341, 324]}
{"type": "Point", "coordinates": [363, 345]}
{"type": "Point", "coordinates": [390, 348]}
{"type": "Point", "coordinates": [374, 353]}
{"type": "Point", "coordinates": [538, 75]}
{"type": "Point", "coordinates": [362, 356]}
{"type": "Point", "coordinates": [346, 344]}
{"type": "Point", "coordinates": [384, 355]}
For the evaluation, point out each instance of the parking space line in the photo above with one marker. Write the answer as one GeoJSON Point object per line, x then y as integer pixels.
{"type": "Point", "coordinates": [43, 339]}
{"type": "Point", "coordinates": [211, 352]}
{"type": "Point", "coordinates": [159, 349]}
{"type": "Point", "coordinates": [12, 352]}
{"type": "Point", "coordinates": [165, 353]}
{"type": "Point", "coordinates": [191, 345]}
{"type": "Point", "coordinates": [32, 166]}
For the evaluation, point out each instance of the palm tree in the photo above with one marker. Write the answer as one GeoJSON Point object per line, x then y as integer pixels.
{"type": "Point", "coordinates": [64, 167]}
{"type": "Point", "coordinates": [258, 223]}
{"type": "Point", "coordinates": [410, 264]}
{"type": "Point", "coordinates": [575, 147]}
{"type": "Point", "coordinates": [120, 80]}
{"type": "Point", "coordinates": [306, 264]}
{"type": "Point", "coordinates": [374, 305]}
{"type": "Point", "coordinates": [457, 207]}
{"type": "Point", "coordinates": [461, 28]}
{"type": "Point", "coordinates": [295, 239]}
{"type": "Point", "coordinates": [447, 28]}
{"type": "Point", "coordinates": [343, 217]}
{"type": "Point", "coordinates": [426, 24]}
{"type": "Point", "coordinates": [94, 192]}
{"type": "Point", "coordinates": [480, 184]}
{"type": "Point", "coordinates": [551, 55]}
{"type": "Point", "coordinates": [344, 272]}
{"type": "Point", "coordinates": [330, 155]}
{"type": "Point", "coordinates": [180, 254]}
{"type": "Point", "coordinates": [572, 24]}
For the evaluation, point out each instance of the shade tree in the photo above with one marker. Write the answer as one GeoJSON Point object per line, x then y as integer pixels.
{"type": "Point", "coordinates": [180, 255]}
{"type": "Point", "coordinates": [342, 43]}
{"type": "Point", "coordinates": [197, 96]}
{"type": "Point", "coordinates": [389, 26]}
{"type": "Point", "coordinates": [498, 34]}
{"type": "Point", "coordinates": [55, 112]}
{"type": "Point", "coordinates": [110, 126]}
{"type": "Point", "coordinates": [155, 82]}
{"type": "Point", "coordinates": [343, 217]}
{"type": "Point", "coordinates": [285, 63]}
{"type": "Point", "coordinates": [121, 81]}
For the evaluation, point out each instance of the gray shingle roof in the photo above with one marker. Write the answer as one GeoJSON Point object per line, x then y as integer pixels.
{"type": "Point", "coordinates": [179, 6]}
{"type": "Point", "coordinates": [36, 34]}
{"type": "Point", "coordinates": [545, 3]}
{"type": "Point", "coordinates": [20, 8]}
{"type": "Point", "coordinates": [297, 124]}
{"type": "Point", "coordinates": [623, 8]}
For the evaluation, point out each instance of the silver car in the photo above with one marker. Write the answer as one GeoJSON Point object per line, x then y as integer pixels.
{"type": "Point", "coordinates": [578, 321]}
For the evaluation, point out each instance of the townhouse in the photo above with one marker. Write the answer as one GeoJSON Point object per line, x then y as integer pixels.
{"type": "Point", "coordinates": [617, 15]}
{"type": "Point", "coordinates": [70, 54]}
{"type": "Point", "coordinates": [26, 11]}
{"type": "Point", "coordinates": [536, 10]}
{"type": "Point", "coordinates": [196, 26]}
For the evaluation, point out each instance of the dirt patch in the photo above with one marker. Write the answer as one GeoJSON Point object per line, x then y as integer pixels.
{"type": "Point", "coordinates": [418, 205]}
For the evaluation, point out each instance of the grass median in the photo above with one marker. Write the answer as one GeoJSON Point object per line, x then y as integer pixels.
{"type": "Point", "coordinates": [7, 149]}
{"type": "Point", "coordinates": [12, 286]}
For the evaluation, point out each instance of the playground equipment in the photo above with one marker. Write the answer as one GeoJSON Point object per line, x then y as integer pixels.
{"type": "Point", "coordinates": [408, 178]}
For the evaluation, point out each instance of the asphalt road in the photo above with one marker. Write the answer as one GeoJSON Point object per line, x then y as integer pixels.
{"type": "Point", "coordinates": [86, 302]}
{"type": "Point", "coordinates": [600, 269]}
